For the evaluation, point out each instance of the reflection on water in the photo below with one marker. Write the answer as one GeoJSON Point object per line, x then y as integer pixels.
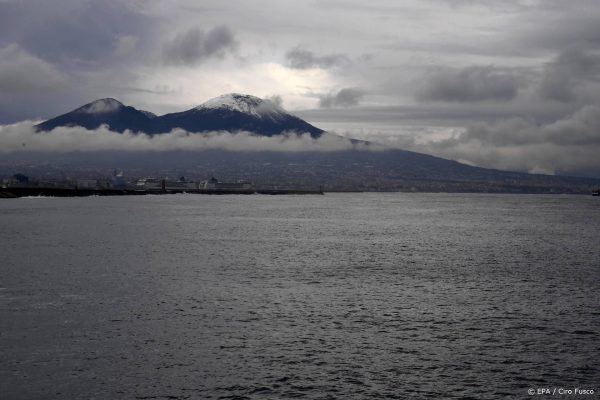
{"type": "Point", "coordinates": [315, 297]}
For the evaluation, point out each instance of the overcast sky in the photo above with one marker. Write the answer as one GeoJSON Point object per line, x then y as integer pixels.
{"type": "Point", "coordinates": [510, 84]}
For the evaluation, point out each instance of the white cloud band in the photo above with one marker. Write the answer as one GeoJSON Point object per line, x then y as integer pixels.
{"type": "Point", "coordinates": [22, 137]}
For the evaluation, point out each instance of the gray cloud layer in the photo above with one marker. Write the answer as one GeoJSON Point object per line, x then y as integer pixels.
{"type": "Point", "coordinates": [474, 83]}
{"type": "Point", "coordinates": [194, 46]}
{"type": "Point", "coordinates": [563, 78]}
{"type": "Point", "coordinates": [580, 129]}
{"type": "Point", "coordinates": [21, 72]}
{"type": "Point", "coordinates": [347, 97]}
{"type": "Point", "coordinates": [73, 34]}
{"type": "Point", "coordinates": [299, 58]}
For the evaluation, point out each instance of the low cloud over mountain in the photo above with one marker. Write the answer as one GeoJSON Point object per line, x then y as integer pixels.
{"type": "Point", "coordinates": [24, 137]}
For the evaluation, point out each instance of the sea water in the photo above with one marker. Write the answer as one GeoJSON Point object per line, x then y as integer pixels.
{"type": "Point", "coordinates": [341, 296]}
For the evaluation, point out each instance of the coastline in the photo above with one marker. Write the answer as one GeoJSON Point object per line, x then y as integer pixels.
{"type": "Point", "coordinates": [16, 192]}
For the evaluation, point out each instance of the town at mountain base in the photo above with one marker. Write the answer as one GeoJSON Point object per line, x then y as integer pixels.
{"type": "Point", "coordinates": [355, 170]}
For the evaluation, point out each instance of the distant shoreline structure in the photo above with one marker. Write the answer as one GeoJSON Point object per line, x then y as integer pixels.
{"type": "Point", "coordinates": [17, 192]}
{"type": "Point", "coordinates": [19, 185]}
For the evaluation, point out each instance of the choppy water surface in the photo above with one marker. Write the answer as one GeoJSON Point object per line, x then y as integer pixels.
{"type": "Point", "coordinates": [342, 296]}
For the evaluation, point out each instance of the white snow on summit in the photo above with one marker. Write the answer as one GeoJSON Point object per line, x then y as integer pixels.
{"type": "Point", "coordinates": [101, 106]}
{"type": "Point", "coordinates": [246, 104]}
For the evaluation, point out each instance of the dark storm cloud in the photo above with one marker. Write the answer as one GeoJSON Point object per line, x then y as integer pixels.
{"type": "Point", "coordinates": [21, 72]}
{"type": "Point", "coordinates": [579, 129]}
{"type": "Point", "coordinates": [347, 97]}
{"type": "Point", "coordinates": [195, 45]}
{"type": "Point", "coordinates": [475, 83]}
{"type": "Point", "coordinates": [28, 84]}
{"type": "Point", "coordinates": [571, 24]}
{"type": "Point", "coordinates": [565, 75]}
{"type": "Point", "coordinates": [71, 33]}
{"type": "Point", "coordinates": [299, 58]}
{"type": "Point", "coordinates": [64, 53]}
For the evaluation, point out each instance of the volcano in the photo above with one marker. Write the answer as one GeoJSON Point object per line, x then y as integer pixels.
{"type": "Point", "coordinates": [230, 113]}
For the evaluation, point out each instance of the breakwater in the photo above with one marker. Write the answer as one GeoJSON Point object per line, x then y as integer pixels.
{"type": "Point", "coordinates": [15, 192]}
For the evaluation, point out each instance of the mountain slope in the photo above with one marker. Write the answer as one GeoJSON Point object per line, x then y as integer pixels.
{"type": "Point", "coordinates": [231, 112]}
{"type": "Point", "coordinates": [390, 170]}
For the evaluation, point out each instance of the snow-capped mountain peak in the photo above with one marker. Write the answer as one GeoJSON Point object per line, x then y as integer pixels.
{"type": "Point", "coordinates": [101, 106]}
{"type": "Point", "coordinates": [244, 103]}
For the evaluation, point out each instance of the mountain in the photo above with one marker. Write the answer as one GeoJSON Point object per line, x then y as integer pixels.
{"type": "Point", "coordinates": [385, 169]}
{"type": "Point", "coordinates": [107, 111]}
{"type": "Point", "coordinates": [236, 112]}
{"type": "Point", "coordinates": [231, 112]}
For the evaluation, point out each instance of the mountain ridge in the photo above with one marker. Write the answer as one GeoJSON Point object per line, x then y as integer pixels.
{"type": "Point", "coordinates": [230, 112]}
